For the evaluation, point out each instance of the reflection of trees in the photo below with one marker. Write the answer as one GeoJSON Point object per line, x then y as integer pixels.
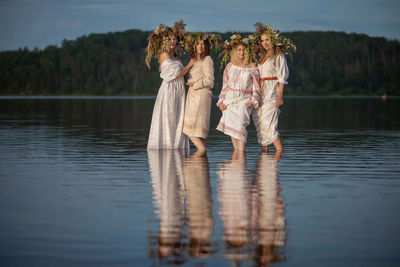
{"type": "Point", "coordinates": [177, 181]}
{"type": "Point", "coordinates": [252, 213]}
{"type": "Point", "coordinates": [119, 122]}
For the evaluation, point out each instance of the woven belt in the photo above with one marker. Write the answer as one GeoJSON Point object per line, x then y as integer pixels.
{"type": "Point", "coordinates": [268, 78]}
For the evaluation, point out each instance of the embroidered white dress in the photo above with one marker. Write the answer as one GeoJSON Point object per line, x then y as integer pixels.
{"type": "Point", "coordinates": [240, 86]}
{"type": "Point", "coordinates": [273, 71]}
{"type": "Point", "coordinates": [167, 120]}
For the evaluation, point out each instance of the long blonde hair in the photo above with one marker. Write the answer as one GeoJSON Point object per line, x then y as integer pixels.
{"type": "Point", "coordinates": [234, 58]}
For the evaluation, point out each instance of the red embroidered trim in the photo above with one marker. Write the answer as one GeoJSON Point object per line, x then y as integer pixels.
{"type": "Point", "coordinates": [268, 78]}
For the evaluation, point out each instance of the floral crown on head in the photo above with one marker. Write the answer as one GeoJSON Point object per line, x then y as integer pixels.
{"type": "Point", "coordinates": [249, 44]}
{"type": "Point", "coordinates": [192, 40]}
{"type": "Point", "coordinates": [282, 44]}
{"type": "Point", "coordinates": [158, 40]}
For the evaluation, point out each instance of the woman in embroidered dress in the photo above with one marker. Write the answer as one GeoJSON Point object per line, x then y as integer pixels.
{"type": "Point", "coordinates": [201, 81]}
{"type": "Point", "coordinates": [273, 77]}
{"type": "Point", "coordinates": [167, 120]}
{"type": "Point", "coordinates": [240, 91]}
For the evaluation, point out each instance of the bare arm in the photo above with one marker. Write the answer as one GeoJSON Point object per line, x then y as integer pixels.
{"type": "Point", "coordinates": [187, 68]}
{"type": "Point", "coordinates": [279, 100]}
{"type": "Point", "coordinates": [163, 56]}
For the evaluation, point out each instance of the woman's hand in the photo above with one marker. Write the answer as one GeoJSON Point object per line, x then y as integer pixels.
{"type": "Point", "coordinates": [279, 102]}
{"type": "Point", "coordinates": [191, 62]}
{"type": "Point", "coordinates": [222, 106]}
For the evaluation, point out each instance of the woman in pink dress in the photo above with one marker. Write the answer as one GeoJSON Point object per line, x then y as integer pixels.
{"type": "Point", "coordinates": [240, 91]}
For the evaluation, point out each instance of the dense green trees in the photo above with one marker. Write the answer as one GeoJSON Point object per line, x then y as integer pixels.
{"type": "Point", "coordinates": [326, 63]}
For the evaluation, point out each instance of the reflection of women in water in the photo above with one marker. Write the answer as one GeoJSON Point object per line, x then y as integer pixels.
{"type": "Point", "coordinates": [167, 120]}
{"type": "Point", "coordinates": [267, 211]}
{"type": "Point", "coordinates": [273, 77]}
{"type": "Point", "coordinates": [201, 81]}
{"type": "Point", "coordinates": [240, 92]}
{"type": "Point", "coordinates": [168, 193]}
{"type": "Point", "coordinates": [201, 222]}
{"type": "Point", "coordinates": [233, 195]}
{"type": "Point", "coordinates": [173, 176]}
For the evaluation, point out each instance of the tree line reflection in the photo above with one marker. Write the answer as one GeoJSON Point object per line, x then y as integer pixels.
{"type": "Point", "coordinates": [250, 208]}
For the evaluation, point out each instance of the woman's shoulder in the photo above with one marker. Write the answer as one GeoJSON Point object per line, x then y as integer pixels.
{"type": "Point", "coordinates": [208, 59]}
{"type": "Point", "coordinates": [281, 56]}
{"type": "Point", "coordinates": [163, 56]}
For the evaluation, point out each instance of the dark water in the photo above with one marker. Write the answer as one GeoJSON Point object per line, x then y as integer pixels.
{"type": "Point", "coordinates": [78, 188]}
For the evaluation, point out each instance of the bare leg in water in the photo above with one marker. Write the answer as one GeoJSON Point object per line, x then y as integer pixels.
{"type": "Point", "coordinates": [278, 148]}
{"type": "Point", "coordinates": [238, 144]}
{"type": "Point", "coordinates": [200, 143]}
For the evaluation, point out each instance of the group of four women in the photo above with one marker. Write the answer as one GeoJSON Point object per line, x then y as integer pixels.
{"type": "Point", "coordinates": [248, 90]}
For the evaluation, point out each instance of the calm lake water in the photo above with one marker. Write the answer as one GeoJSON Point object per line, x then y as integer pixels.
{"type": "Point", "coordinates": [78, 188]}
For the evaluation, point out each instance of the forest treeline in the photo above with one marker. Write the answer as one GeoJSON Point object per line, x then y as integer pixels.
{"type": "Point", "coordinates": [326, 63]}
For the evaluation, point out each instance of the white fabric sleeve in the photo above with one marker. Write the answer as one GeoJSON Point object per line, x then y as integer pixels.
{"type": "Point", "coordinates": [283, 70]}
{"type": "Point", "coordinates": [170, 70]}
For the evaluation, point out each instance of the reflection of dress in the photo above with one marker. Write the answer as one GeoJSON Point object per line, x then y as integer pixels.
{"type": "Point", "coordinates": [168, 190]}
{"type": "Point", "coordinates": [198, 99]}
{"type": "Point", "coordinates": [167, 121]}
{"type": "Point", "coordinates": [201, 222]}
{"type": "Point", "coordinates": [268, 214]}
{"type": "Point", "coordinates": [240, 86]}
{"type": "Point", "coordinates": [272, 71]}
{"type": "Point", "coordinates": [234, 201]}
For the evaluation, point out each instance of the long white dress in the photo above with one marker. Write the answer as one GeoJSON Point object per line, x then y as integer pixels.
{"type": "Point", "coordinates": [167, 120]}
{"type": "Point", "coordinates": [272, 71]}
{"type": "Point", "coordinates": [240, 86]}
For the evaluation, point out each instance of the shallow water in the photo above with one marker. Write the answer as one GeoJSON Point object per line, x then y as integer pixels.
{"type": "Point", "coordinates": [77, 187]}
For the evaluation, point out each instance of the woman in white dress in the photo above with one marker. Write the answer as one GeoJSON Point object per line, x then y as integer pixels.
{"type": "Point", "coordinates": [240, 92]}
{"type": "Point", "coordinates": [273, 78]}
{"type": "Point", "coordinates": [167, 120]}
{"type": "Point", "coordinates": [201, 81]}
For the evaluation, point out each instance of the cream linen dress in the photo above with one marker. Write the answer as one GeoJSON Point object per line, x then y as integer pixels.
{"type": "Point", "coordinates": [198, 99]}
{"type": "Point", "coordinates": [240, 86]}
{"type": "Point", "coordinates": [266, 117]}
{"type": "Point", "coordinates": [167, 120]}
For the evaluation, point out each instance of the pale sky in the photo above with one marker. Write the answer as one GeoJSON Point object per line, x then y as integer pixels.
{"type": "Point", "coordinates": [39, 23]}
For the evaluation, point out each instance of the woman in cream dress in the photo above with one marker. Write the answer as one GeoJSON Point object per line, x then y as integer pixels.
{"type": "Point", "coordinates": [167, 120]}
{"type": "Point", "coordinates": [274, 73]}
{"type": "Point", "coordinates": [240, 92]}
{"type": "Point", "coordinates": [201, 80]}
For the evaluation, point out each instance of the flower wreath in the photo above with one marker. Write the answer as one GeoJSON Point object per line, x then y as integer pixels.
{"type": "Point", "coordinates": [192, 40]}
{"type": "Point", "coordinates": [249, 44]}
{"type": "Point", "coordinates": [158, 40]}
{"type": "Point", "coordinates": [282, 44]}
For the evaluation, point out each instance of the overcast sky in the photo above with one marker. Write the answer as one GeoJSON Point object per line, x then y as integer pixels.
{"type": "Point", "coordinates": [38, 23]}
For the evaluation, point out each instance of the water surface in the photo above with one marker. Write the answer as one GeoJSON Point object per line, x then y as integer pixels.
{"type": "Point", "coordinates": [78, 187]}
